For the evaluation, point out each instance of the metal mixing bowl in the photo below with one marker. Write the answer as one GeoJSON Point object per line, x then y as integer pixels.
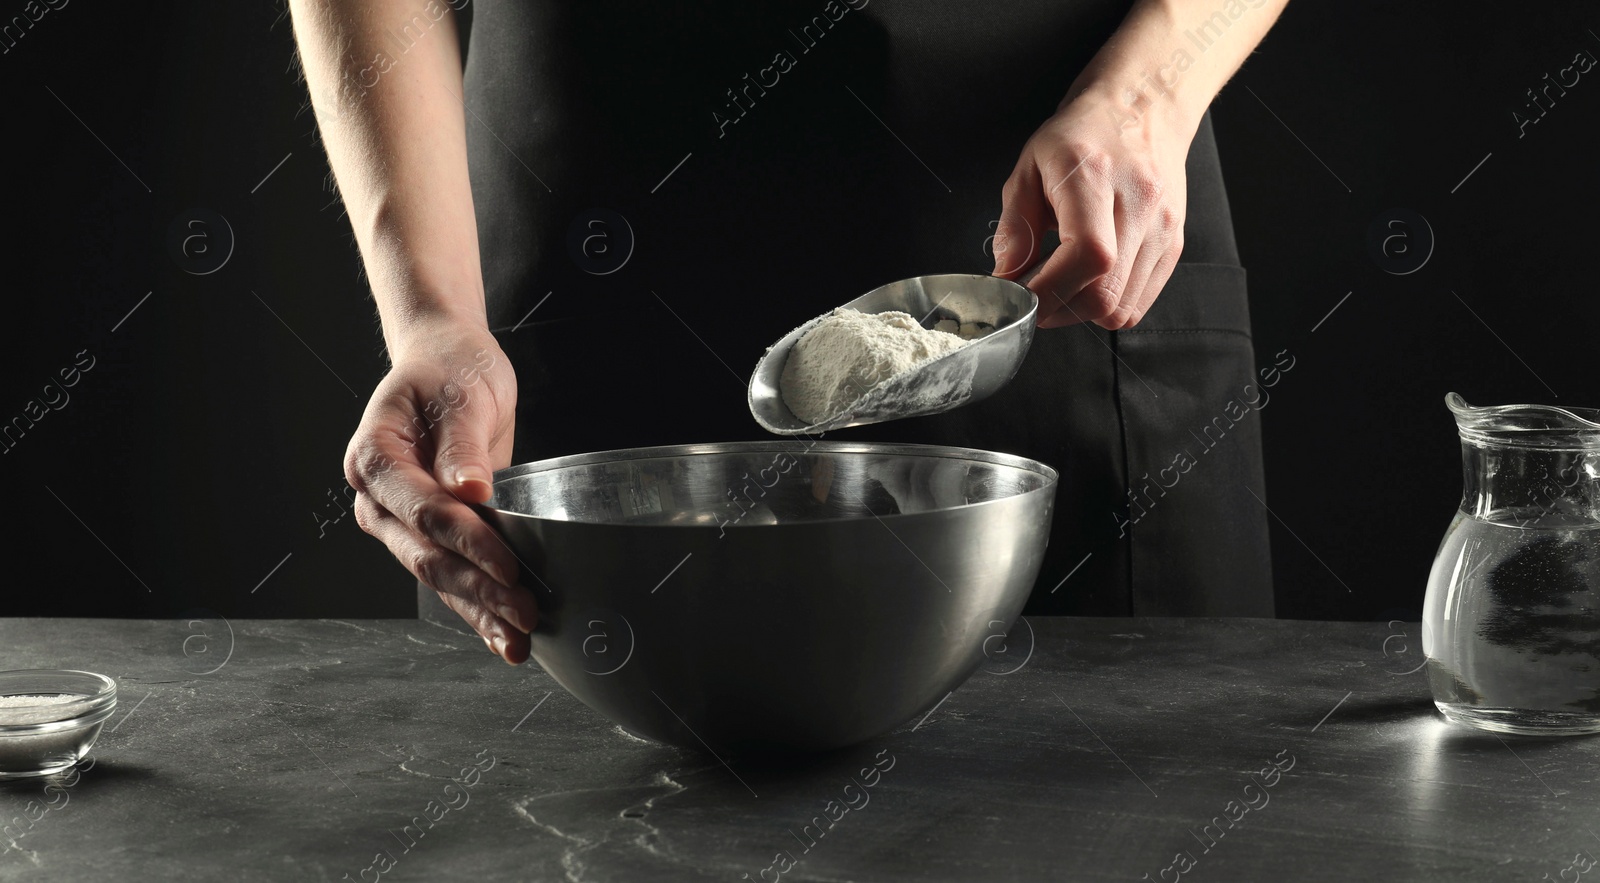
{"type": "Point", "coordinates": [772, 596]}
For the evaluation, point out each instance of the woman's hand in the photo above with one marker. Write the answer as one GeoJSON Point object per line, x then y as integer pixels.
{"type": "Point", "coordinates": [434, 431]}
{"type": "Point", "coordinates": [1111, 181]}
{"type": "Point", "coordinates": [1107, 170]}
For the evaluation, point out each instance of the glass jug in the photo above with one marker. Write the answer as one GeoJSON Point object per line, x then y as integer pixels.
{"type": "Point", "coordinates": [1511, 622]}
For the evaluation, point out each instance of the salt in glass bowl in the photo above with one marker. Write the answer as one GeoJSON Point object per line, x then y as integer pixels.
{"type": "Point", "coordinates": [49, 719]}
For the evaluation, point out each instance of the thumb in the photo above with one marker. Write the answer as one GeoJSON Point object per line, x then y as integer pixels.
{"type": "Point", "coordinates": [1016, 239]}
{"type": "Point", "coordinates": [461, 463]}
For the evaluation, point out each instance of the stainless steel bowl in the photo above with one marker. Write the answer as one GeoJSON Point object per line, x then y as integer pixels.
{"type": "Point", "coordinates": [772, 596]}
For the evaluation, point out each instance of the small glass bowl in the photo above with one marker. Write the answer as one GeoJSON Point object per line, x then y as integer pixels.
{"type": "Point", "coordinates": [49, 719]}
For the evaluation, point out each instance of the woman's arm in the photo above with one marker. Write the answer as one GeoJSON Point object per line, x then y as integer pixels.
{"type": "Point", "coordinates": [1174, 56]}
{"type": "Point", "coordinates": [385, 80]}
{"type": "Point", "coordinates": [1107, 169]}
{"type": "Point", "coordinates": [394, 129]}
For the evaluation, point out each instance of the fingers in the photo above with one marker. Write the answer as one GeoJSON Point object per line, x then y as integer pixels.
{"type": "Point", "coordinates": [512, 646]}
{"type": "Point", "coordinates": [389, 472]}
{"type": "Point", "coordinates": [461, 461]}
{"type": "Point", "coordinates": [1023, 214]}
{"type": "Point", "coordinates": [1084, 201]}
{"type": "Point", "coordinates": [500, 614]}
{"type": "Point", "coordinates": [1157, 232]}
{"type": "Point", "coordinates": [1141, 266]}
{"type": "Point", "coordinates": [1151, 270]}
{"type": "Point", "coordinates": [1121, 229]}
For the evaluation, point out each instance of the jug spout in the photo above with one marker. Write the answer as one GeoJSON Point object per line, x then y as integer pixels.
{"type": "Point", "coordinates": [1526, 426]}
{"type": "Point", "coordinates": [1529, 465]}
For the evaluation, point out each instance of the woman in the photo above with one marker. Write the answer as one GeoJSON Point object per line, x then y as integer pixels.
{"type": "Point", "coordinates": [617, 207]}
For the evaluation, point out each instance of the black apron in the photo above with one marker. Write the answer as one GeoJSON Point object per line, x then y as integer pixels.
{"type": "Point", "coordinates": [676, 186]}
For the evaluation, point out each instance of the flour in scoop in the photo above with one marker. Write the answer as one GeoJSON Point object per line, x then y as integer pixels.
{"type": "Point", "coordinates": [849, 352]}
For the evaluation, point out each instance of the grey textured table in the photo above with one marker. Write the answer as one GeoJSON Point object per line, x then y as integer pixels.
{"type": "Point", "coordinates": [302, 750]}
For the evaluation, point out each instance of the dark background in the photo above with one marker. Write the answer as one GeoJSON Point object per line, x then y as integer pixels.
{"type": "Point", "coordinates": [197, 460]}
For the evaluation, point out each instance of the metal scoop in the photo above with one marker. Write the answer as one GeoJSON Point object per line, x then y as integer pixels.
{"type": "Point", "coordinates": [960, 377]}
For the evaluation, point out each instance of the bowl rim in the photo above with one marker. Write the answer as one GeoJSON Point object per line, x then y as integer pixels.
{"type": "Point", "coordinates": [85, 708]}
{"type": "Point", "coordinates": [107, 686]}
{"type": "Point", "coordinates": [655, 452]}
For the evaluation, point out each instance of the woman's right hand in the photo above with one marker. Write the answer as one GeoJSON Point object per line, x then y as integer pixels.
{"type": "Point", "coordinates": [433, 433]}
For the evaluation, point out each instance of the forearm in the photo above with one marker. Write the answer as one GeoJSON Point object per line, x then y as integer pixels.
{"type": "Point", "coordinates": [384, 76]}
{"type": "Point", "coordinates": [1169, 58]}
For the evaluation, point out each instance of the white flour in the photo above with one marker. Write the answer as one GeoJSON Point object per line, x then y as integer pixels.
{"type": "Point", "coordinates": [848, 353]}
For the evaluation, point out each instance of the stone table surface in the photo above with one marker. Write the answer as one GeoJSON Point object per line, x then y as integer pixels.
{"type": "Point", "coordinates": [1090, 749]}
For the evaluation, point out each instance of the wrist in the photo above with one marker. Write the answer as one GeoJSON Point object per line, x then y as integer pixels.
{"type": "Point", "coordinates": [1146, 77]}
{"type": "Point", "coordinates": [424, 273]}
{"type": "Point", "coordinates": [1141, 104]}
{"type": "Point", "coordinates": [417, 324]}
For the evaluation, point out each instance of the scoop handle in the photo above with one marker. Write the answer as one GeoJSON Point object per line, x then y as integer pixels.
{"type": "Point", "coordinates": [1044, 255]}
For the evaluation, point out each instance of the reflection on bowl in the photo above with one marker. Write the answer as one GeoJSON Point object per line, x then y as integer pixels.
{"type": "Point", "coordinates": [50, 719]}
{"type": "Point", "coordinates": [788, 595]}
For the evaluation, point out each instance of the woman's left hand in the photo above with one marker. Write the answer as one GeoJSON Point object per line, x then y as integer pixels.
{"type": "Point", "coordinates": [1110, 179]}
